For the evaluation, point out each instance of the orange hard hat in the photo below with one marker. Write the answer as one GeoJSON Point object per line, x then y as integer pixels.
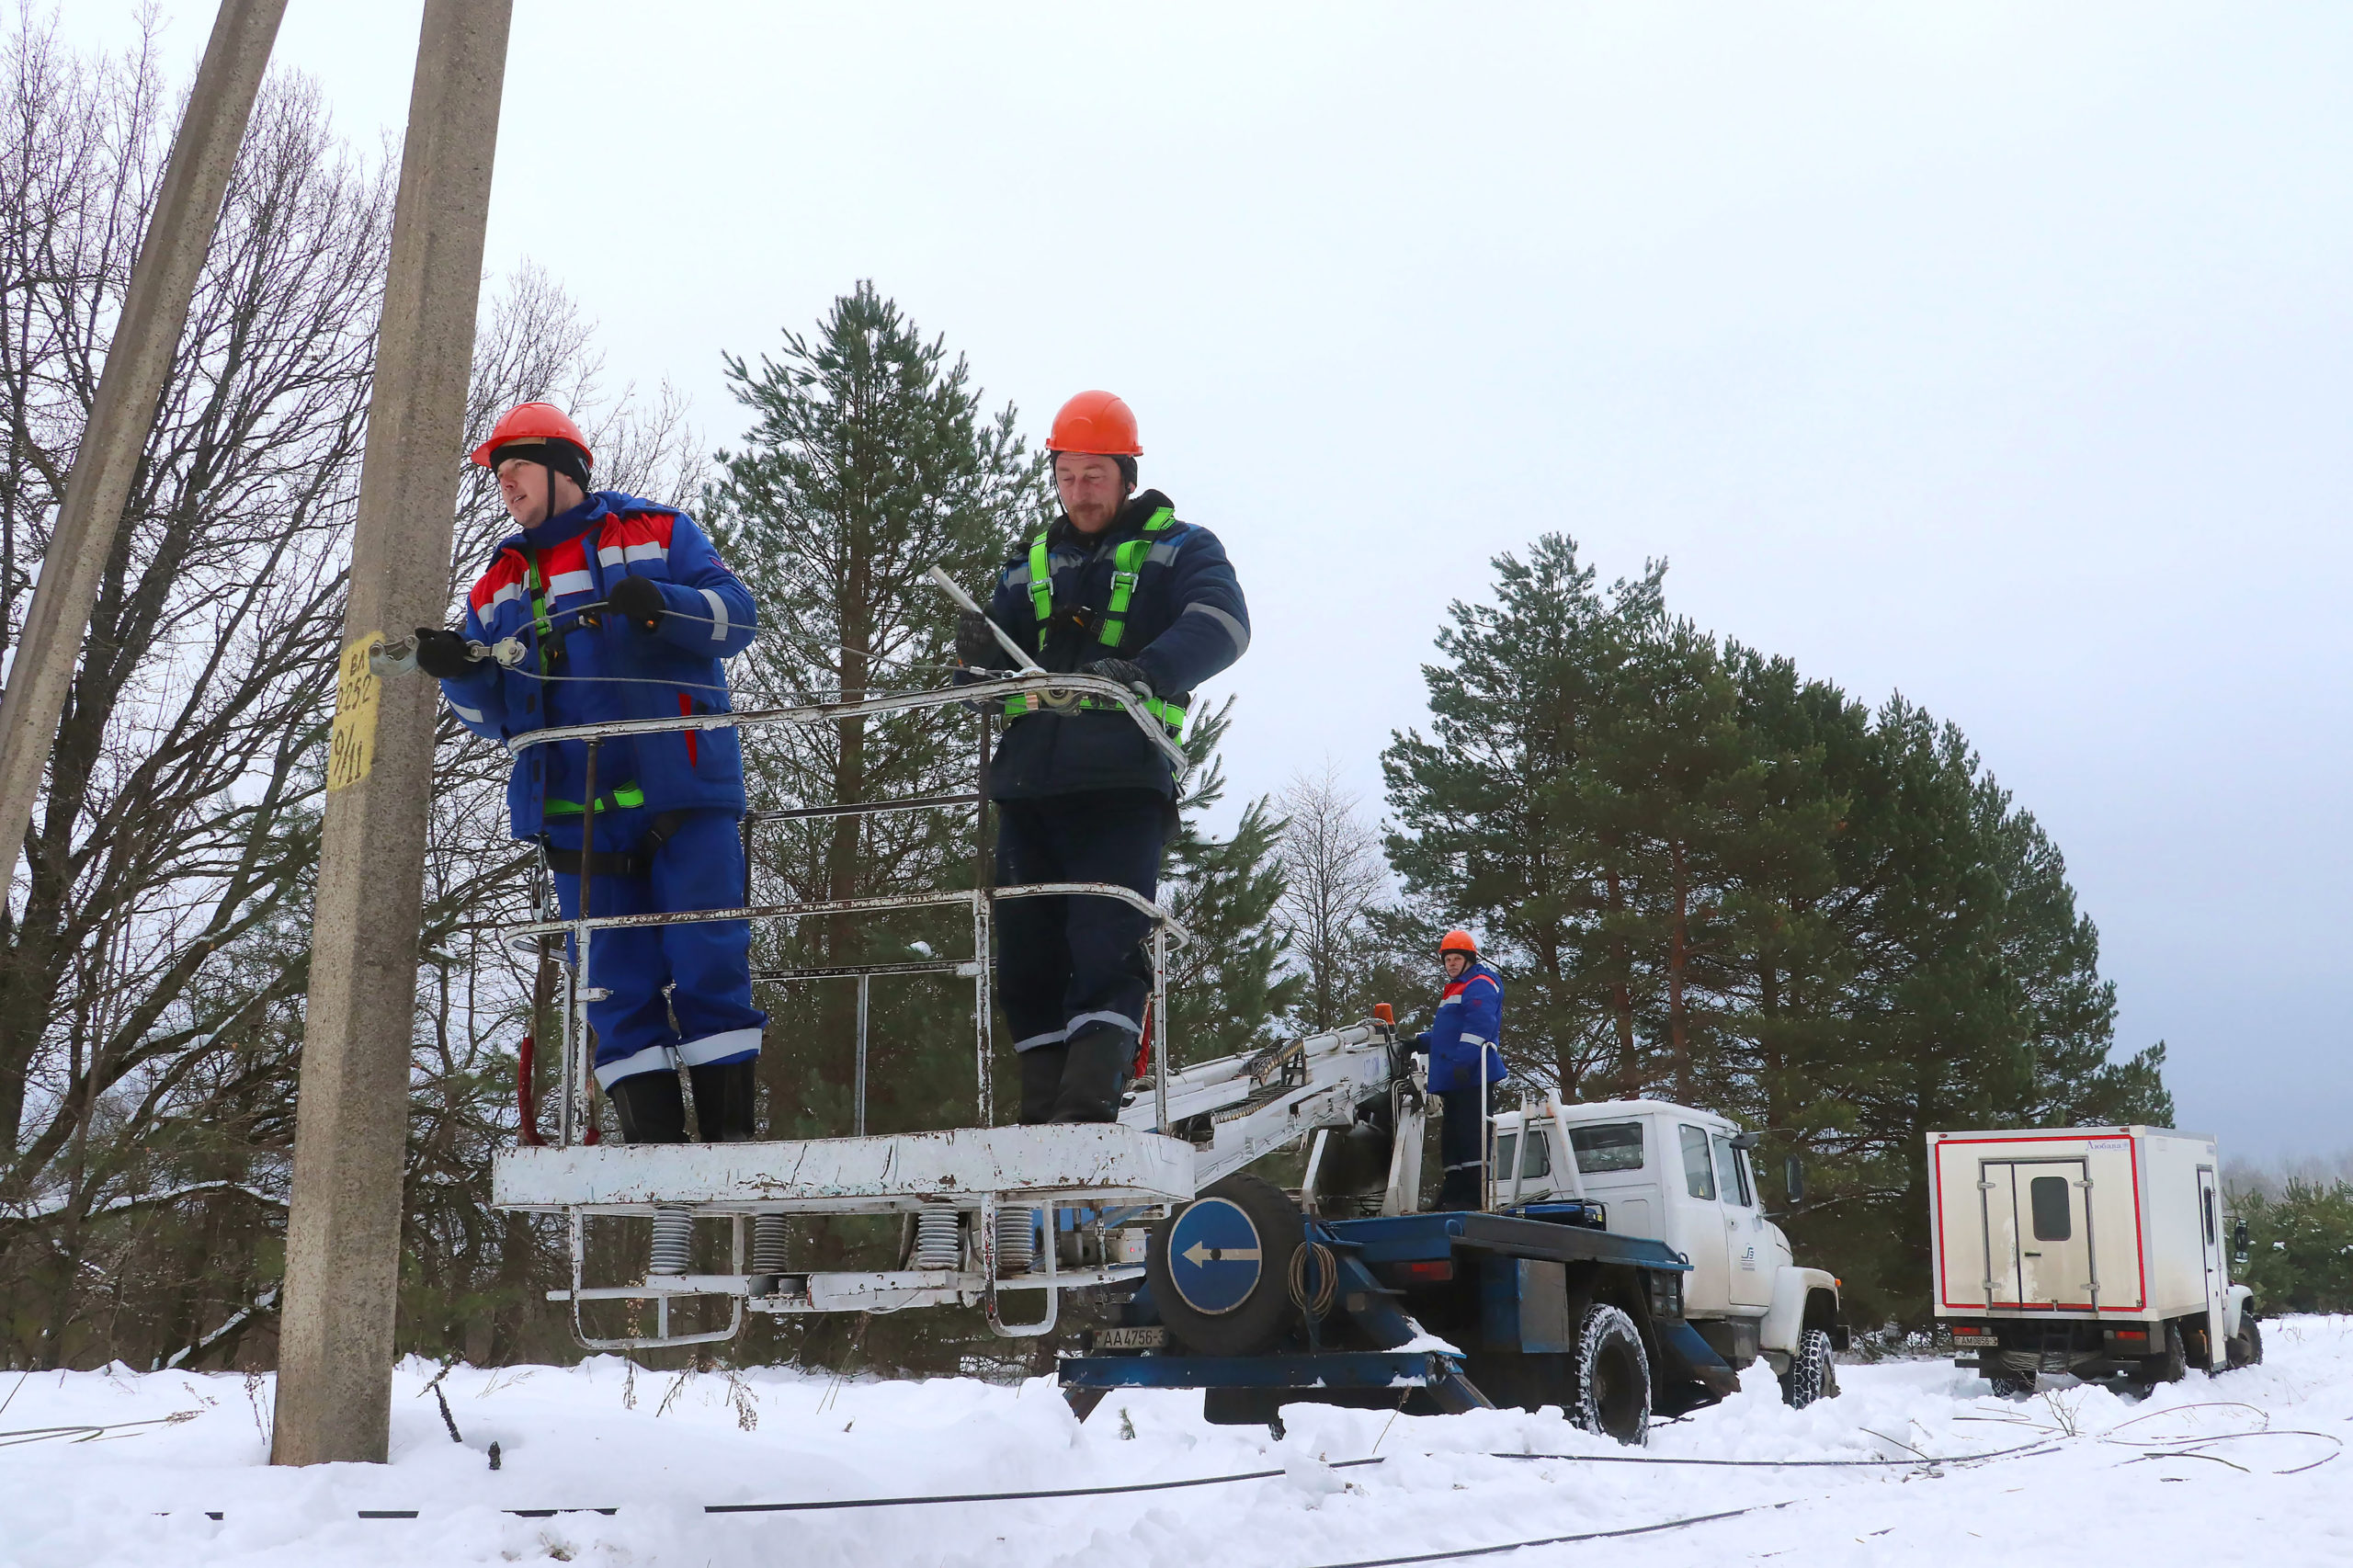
{"type": "Point", "coordinates": [1457, 941]}
{"type": "Point", "coordinates": [1096, 422]}
{"type": "Point", "coordinates": [530, 424]}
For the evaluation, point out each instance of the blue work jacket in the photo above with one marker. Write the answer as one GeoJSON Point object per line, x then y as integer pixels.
{"type": "Point", "coordinates": [1184, 620]}
{"type": "Point", "coordinates": [1469, 1025]}
{"type": "Point", "coordinates": [586, 668]}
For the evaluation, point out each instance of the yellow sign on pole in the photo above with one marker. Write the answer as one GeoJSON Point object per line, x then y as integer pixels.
{"type": "Point", "coordinates": [351, 746]}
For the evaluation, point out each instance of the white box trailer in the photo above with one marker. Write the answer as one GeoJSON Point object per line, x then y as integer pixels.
{"type": "Point", "coordinates": [2098, 1251]}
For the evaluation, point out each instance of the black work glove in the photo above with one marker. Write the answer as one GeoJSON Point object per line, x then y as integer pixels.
{"type": "Point", "coordinates": [637, 600]}
{"type": "Point", "coordinates": [1127, 672]}
{"type": "Point", "coordinates": [443, 654]}
{"type": "Point", "coordinates": [976, 646]}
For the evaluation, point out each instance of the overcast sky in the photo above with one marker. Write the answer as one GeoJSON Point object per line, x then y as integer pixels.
{"type": "Point", "coordinates": [1992, 354]}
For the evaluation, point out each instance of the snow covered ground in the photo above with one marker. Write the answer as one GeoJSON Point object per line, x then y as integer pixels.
{"type": "Point", "coordinates": [2241, 1469]}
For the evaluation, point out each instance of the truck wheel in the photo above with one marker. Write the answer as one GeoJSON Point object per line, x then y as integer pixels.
{"type": "Point", "coordinates": [1613, 1376]}
{"type": "Point", "coordinates": [2011, 1385]}
{"type": "Point", "coordinates": [1219, 1268]}
{"type": "Point", "coordinates": [1813, 1374]}
{"type": "Point", "coordinates": [2245, 1348]}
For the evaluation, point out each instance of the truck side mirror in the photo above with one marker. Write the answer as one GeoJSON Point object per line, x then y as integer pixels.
{"type": "Point", "coordinates": [2241, 1246]}
{"type": "Point", "coordinates": [1793, 1176]}
{"type": "Point", "coordinates": [1746, 1140]}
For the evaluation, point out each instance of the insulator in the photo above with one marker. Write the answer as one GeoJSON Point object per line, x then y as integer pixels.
{"type": "Point", "coordinates": [939, 1242]}
{"type": "Point", "coordinates": [768, 1244]}
{"type": "Point", "coordinates": [1017, 1240]}
{"type": "Point", "coordinates": [673, 1234]}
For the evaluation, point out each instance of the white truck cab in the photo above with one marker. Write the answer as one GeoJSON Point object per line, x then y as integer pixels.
{"type": "Point", "coordinates": [1684, 1176]}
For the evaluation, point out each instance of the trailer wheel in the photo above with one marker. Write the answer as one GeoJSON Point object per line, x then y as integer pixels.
{"type": "Point", "coordinates": [1613, 1376]}
{"type": "Point", "coordinates": [2011, 1385]}
{"type": "Point", "coordinates": [1813, 1374]}
{"type": "Point", "coordinates": [1219, 1268]}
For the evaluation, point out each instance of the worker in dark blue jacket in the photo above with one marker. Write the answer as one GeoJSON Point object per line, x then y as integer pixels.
{"type": "Point", "coordinates": [1465, 1045]}
{"type": "Point", "coordinates": [603, 608]}
{"type": "Point", "coordinates": [1118, 587]}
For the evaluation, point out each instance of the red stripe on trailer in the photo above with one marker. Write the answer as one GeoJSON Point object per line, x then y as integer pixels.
{"type": "Point", "coordinates": [2140, 1254]}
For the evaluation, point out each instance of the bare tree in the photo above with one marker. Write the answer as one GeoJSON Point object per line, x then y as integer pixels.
{"type": "Point", "coordinates": [154, 950]}
{"type": "Point", "coordinates": [1335, 877]}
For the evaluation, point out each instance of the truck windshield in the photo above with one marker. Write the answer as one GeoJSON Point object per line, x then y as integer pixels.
{"type": "Point", "coordinates": [1698, 1174]}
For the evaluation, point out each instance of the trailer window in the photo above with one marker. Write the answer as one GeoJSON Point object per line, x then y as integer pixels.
{"type": "Point", "coordinates": [1730, 1180]}
{"type": "Point", "coordinates": [2049, 1196]}
{"type": "Point", "coordinates": [1609, 1146]}
{"type": "Point", "coordinates": [1698, 1174]}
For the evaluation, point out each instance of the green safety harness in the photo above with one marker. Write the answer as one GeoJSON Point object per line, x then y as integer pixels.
{"type": "Point", "coordinates": [543, 633]}
{"type": "Point", "coordinates": [1127, 570]}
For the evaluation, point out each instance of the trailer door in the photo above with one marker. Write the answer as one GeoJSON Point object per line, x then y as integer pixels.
{"type": "Point", "coordinates": [2038, 1234]}
{"type": "Point", "coordinates": [2210, 1243]}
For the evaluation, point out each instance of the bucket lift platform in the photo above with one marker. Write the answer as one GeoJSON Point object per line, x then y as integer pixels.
{"type": "Point", "coordinates": [984, 1208]}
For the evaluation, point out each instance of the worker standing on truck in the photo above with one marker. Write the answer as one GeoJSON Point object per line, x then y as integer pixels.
{"type": "Point", "coordinates": [1116, 588]}
{"type": "Point", "coordinates": [1465, 1041]}
{"type": "Point", "coordinates": [610, 607]}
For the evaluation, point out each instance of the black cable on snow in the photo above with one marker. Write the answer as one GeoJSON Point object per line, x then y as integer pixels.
{"type": "Point", "coordinates": [2040, 1446]}
{"type": "Point", "coordinates": [1045, 1494]}
{"type": "Point", "coordinates": [1012, 1496]}
{"type": "Point", "coordinates": [1564, 1540]}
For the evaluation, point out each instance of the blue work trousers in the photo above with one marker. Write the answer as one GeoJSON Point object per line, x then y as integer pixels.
{"type": "Point", "coordinates": [1065, 964]}
{"type": "Point", "coordinates": [704, 967]}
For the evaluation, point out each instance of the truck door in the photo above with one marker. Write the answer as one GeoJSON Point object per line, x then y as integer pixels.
{"type": "Point", "coordinates": [2209, 1233]}
{"type": "Point", "coordinates": [1749, 1267]}
{"type": "Point", "coordinates": [2038, 1234]}
{"type": "Point", "coordinates": [1699, 1226]}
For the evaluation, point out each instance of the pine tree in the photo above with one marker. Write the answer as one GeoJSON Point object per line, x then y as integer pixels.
{"type": "Point", "coordinates": [1702, 872]}
{"type": "Point", "coordinates": [868, 462]}
{"type": "Point", "coordinates": [1227, 988]}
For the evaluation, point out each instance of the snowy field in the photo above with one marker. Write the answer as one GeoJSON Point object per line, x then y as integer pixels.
{"type": "Point", "coordinates": [2241, 1469]}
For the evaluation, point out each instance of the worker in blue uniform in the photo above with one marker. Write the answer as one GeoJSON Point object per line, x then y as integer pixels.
{"type": "Point", "coordinates": [1465, 1045]}
{"type": "Point", "coordinates": [1117, 587]}
{"type": "Point", "coordinates": [612, 607]}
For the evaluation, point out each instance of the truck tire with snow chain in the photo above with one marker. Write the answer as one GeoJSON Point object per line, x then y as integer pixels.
{"type": "Point", "coordinates": [1813, 1373]}
{"type": "Point", "coordinates": [1612, 1374]}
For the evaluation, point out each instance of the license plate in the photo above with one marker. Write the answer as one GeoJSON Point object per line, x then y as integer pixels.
{"type": "Point", "coordinates": [1975, 1341]}
{"type": "Point", "coordinates": [1151, 1339]}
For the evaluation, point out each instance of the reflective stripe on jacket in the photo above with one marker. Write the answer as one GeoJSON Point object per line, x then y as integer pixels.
{"type": "Point", "coordinates": [585, 670]}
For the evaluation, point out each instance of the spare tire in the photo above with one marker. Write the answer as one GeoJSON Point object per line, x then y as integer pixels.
{"type": "Point", "coordinates": [1219, 1267]}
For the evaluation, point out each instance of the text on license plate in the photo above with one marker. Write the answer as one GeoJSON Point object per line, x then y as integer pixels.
{"type": "Point", "coordinates": [1151, 1339]}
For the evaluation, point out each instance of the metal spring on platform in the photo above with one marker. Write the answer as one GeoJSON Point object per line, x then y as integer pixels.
{"type": "Point", "coordinates": [1017, 1240]}
{"type": "Point", "coordinates": [938, 1242]}
{"type": "Point", "coordinates": [673, 1234]}
{"type": "Point", "coordinates": [768, 1244]}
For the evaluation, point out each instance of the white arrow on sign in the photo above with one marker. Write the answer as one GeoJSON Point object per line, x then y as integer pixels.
{"type": "Point", "coordinates": [1198, 1254]}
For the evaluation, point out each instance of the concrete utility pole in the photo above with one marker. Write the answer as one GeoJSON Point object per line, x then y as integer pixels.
{"type": "Point", "coordinates": [179, 232]}
{"type": "Point", "coordinates": [343, 1236]}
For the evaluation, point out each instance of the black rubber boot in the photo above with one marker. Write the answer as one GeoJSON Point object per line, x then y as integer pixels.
{"type": "Point", "coordinates": [1096, 1073]}
{"type": "Point", "coordinates": [1041, 1080]}
{"type": "Point", "coordinates": [723, 1096]}
{"type": "Point", "coordinates": [649, 1107]}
